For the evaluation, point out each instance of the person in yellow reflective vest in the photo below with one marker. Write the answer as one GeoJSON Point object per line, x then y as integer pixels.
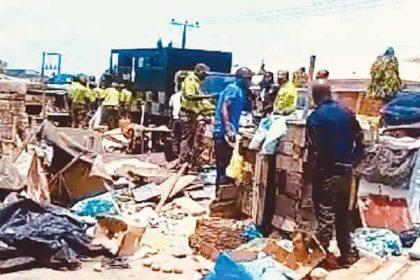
{"type": "Point", "coordinates": [286, 99]}
{"type": "Point", "coordinates": [125, 101]}
{"type": "Point", "coordinates": [111, 103]}
{"type": "Point", "coordinates": [193, 105]}
{"type": "Point", "coordinates": [81, 98]}
{"type": "Point", "coordinates": [97, 94]}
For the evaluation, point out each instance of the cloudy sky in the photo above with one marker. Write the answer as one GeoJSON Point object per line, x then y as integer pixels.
{"type": "Point", "coordinates": [345, 35]}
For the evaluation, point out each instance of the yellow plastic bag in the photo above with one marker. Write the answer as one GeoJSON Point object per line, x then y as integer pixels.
{"type": "Point", "coordinates": [234, 170]}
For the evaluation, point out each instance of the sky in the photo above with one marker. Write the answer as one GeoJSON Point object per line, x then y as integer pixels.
{"type": "Point", "coordinates": [345, 35]}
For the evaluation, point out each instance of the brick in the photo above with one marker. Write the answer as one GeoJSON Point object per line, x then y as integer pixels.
{"type": "Point", "coordinates": [245, 195]}
{"type": "Point", "coordinates": [10, 87]}
{"type": "Point", "coordinates": [293, 186]}
{"type": "Point", "coordinates": [228, 192]}
{"type": "Point", "coordinates": [286, 147]}
{"type": "Point", "coordinates": [289, 163]}
{"type": "Point", "coordinates": [286, 206]}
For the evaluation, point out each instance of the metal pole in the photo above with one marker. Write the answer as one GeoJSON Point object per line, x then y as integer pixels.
{"type": "Point", "coordinates": [43, 64]}
{"type": "Point", "coordinates": [185, 26]}
{"type": "Point", "coordinates": [184, 35]}
{"type": "Point", "coordinates": [59, 63]}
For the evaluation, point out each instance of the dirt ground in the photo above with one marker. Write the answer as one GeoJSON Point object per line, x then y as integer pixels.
{"type": "Point", "coordinates": [137, 271]}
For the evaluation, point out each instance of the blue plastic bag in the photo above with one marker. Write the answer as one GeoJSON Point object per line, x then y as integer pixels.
{"type": "Point", "coordinates": [252, 232]}
{"type": "Point", "coordinates": [265, 268]}
{"type": "Point", "coordinates": [94, 206]}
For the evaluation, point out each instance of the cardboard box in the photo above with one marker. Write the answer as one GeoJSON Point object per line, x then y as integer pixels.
{"type": "Point", "coordinates": [120, 237]}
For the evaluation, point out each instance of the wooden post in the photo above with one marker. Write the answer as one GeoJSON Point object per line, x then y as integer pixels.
{"type": "Point", "coordinates": [312, 60]}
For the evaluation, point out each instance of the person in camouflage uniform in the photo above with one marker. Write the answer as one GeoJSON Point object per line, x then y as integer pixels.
{"type": "Point", "coordinates": [194, 104]}
{"type": "Point", "coordinates": [81, 98]}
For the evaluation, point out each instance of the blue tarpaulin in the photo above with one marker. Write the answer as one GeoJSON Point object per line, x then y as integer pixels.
{"type": "Point", "coordinates": [404, 109]}
{"type": "Point", "coordinates": [265, 268]}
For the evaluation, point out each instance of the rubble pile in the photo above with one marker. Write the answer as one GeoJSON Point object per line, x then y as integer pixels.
{"type": "Point", "coordinates": [215, 235]}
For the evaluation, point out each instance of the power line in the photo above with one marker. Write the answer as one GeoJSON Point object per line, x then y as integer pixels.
{"type": "Point", "coordinates": [318, 8]}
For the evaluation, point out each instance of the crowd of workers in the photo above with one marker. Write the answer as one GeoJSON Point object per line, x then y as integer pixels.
{"type": "Point", "coordinates": [334, 135]}
{"type": "Point", "coordinates": [86, 97]}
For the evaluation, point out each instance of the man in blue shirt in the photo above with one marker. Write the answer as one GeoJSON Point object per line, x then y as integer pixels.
{"type": "Point", "coordinates": [335, 144]}
{"type": "Point", "coordinates": [231, 103]}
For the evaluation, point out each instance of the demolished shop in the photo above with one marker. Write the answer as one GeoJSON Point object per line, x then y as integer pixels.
{"type": "Point", "coordinates": [74, 196]}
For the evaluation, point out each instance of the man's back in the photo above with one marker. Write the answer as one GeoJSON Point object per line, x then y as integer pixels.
{"type": "Point", "coordinates": [333, 134]}
{"type": "Point", "coordinates": [111, 97]}
{"type": "Point", "coordinates": [234, 97]}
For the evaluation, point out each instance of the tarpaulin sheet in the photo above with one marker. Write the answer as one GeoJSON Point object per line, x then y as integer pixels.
{"type": "Point", "coordinates": [265, 268]}
{"type": "Point", "coordinates": [404, 109]}
{"type": "Point", "coordinates": [42, 235]}
{"type": "Point", "coordinates": [389, 165]}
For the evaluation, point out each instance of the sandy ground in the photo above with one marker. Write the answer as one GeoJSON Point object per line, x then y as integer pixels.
{"type": "Point", "coordinates": [86, 272]}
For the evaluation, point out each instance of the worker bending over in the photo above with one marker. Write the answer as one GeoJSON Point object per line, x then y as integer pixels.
{"type": "Point", "coordinates": [335, 144]}
{"type": "Point", "coordinates": [232, 102]}
{"type": "Point", "coordinates": [194, 104]}
{"type": "Point", "coordinates": [81, 98]}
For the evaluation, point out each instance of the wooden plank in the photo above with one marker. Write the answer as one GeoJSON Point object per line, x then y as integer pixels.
{"type": "Point", "coordinates": [256, 190]}
{"type": "Point", "coordinates": [170, 183]}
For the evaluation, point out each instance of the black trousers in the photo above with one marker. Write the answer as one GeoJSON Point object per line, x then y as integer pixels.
{"type": "Point", "coordinates": [111, 116]}
{"type": "Point", "coordinates": [189, 126]}
{"type": "Point", "coordinates": [223, 153]}
{"type": "Point", "coordinates": [176, 134]}
{"type": "Point", "coordinates": [331, 197]}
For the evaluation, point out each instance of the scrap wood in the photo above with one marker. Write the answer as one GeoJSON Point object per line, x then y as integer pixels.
{"type": "Point", "coordinates": [112, 139]}
{"type": "Point", "coordinates": [74, 143]}
{"type": "Point", "coordinates": [65, 168]}
{"type": "Point", "coordinates": [169, 185]}
{"type": "Point", "coordinates": [191, 206]}
{"type": "Point", "coordinates": [25, 143]}
{"type": "Point", "coordinates": [181, 184]}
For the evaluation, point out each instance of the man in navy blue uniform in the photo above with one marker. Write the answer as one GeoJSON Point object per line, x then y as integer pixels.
{"type": "Point", "coordinates": [335, 144]}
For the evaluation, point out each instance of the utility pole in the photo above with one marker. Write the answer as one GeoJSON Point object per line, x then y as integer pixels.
{"type": "Point", "coordinates": [185, 25]}
{"type": "Point", "coordinates": [51, 67]}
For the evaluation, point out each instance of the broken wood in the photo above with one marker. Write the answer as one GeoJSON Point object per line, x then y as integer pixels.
{"type": "Point", "coordinates": [25, 143]}
{"type": "Point", "coordinates": [172, 182]}
{"type": "Point", "coordinates": [65, 168]}
{"type": "Point", "coordinates": [74, 143]}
